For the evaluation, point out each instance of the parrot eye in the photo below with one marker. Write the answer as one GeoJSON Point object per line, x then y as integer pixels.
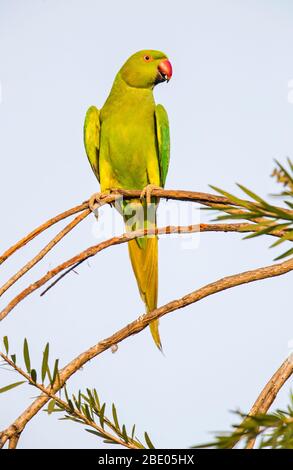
{"type": "Point", "coordinates": [148, 58]}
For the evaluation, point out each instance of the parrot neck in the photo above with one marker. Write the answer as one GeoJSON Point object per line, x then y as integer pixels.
{"type": "Point", "coordinates": [121, 89]}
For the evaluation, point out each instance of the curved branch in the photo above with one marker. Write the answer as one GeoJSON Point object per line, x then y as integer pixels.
{"type": "Point", "coordinates": [265, 400]}
{"type": "Point", "coordinates": [42, 228]}
{"type": "Point", "coordinates": [44, 251]}
{"type": "Point", "coordinates": [192, 196]}
{"type": "Point", "coordinates": [93, 250]}
{"type": "Point", "coordinates": [270, 391]}
{"type": "Point", "coordinates": [108, 199]}
{"type": "Point", "coordinates": [135, 327]}
{"type": "Point", "coordinates": [51, 396]}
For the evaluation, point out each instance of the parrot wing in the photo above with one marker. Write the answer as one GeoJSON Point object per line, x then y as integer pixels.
{"type": "Point", "coordinates": [163, 139]}
{"type": "Point", "coordinates": [91, 136]}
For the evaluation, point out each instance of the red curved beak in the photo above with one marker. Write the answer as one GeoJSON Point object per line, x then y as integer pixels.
{"type": "Point", "coordinates": [165, 69]}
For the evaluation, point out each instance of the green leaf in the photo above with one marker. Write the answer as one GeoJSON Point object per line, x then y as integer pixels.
{"type": "Point", "coordinates": [124, 433]}
{"type": "Point", "coordinates": [34, 375]}
{"type": "Point", "coordinates": [96, 433]}
{"type": "Point", "coordinates": [284, 255]}
{"type": "Point", "coordinates": [26, 356]}
{"type": "Point", "coordinates": [102, 413]}
{"type": "Point", "coordinates": [56, 372]}
{"type": "Point", "coordinates": [51, 407]}
{"type": "Point", "coordinates": [13, 358]}
{"type": "Point", "coordinates": [70, 404]}
{"type": "Point", "coordinates": [97, 400]}
{"type": "Point", "coordinates": [76, 402]}
{"type": "Point", "coordinates": [290, 204]}
{"type": "Point", "coordinates": [267, 229]}
{"type": "Point", "coordinates": [244, 216]}
{"type": "Point", "coordinates": [251, 194]}
{"type": "Point", "coordinates": [86, 411]}
{"type": "Point", "coordinates": [45, 362]}
{"type": "Point", "coordinates": [284, 171]}
{"type": "Point", "coordinates": [6, 344]}
{"type": "Point", "coordinates": [288, 236]}
{"type": "Point", "coordinates": [91, 399]}
{"type": "Point", "coordinates": [148, 441]}
{"type": "Point", "coordinates": [133, 432]}
{"type": "Point", "coordinates": [9, 387]}
{"type": "Point", "coordinates": [115, 417]}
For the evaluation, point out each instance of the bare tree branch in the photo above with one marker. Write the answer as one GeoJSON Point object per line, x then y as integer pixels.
{"type": "Point", "coordinates": [264, 400]}
{"type": "Point", "coordinates": [135, 327]}
{"type": "Point", "coordinates": [40, 229]}
{"type": "Point", "coordinates": [93, 250]}
{"type": "Point", "coordinates": [270, 391]}
{"type": "Point", "coordinates": [108, 199]}
{"type": "Point", "coordinates": [194, 196]}
{"type": "Point", "coordinates": [13, 441]}
{"type": "Point", "coordinates": [44, 251]}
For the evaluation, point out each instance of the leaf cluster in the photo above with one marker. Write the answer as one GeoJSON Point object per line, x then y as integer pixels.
{"type": "Point", "coordinates": [267, 218]}
{"type": "Point", "coordinates": [83, 408]}
{"type": "Point", "coordinates": [272, 430]}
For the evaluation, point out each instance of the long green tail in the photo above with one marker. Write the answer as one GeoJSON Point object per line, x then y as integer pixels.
{"type": "Point", "coordinates": [143, 253]}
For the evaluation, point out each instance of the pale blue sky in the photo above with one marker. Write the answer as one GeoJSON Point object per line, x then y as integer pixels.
{"type": "Point", "coordinates": [230, 116]}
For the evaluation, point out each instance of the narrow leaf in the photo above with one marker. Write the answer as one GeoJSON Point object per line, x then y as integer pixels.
{"type": "Point", "coordinates": [45, 362]}
{"type": "Point", "coordinates": [96, 433]}
{"type": "Point", "coordinates": [87, 412]}
{"type": "Point", "coordinates": [51, 407]}
{"type": "Point", "coordinates": [124, 433]}
{"type": "Point", "coordinates": [56, 371]}
{"type": "Point", "coordinates": [284, 255]}
{"type": "Point", "coordinates": [251, 194]}
{"type": "Point", "coordinates": [6, 344]}
{"type": "Point", "coordinates": [115, 417]}
{"type": "Point", "coordinates": [97, 400]}
{"type": "Point", "coordinates": [34, 375]}
{"type": "Point", "coordinates": [26, 356]}
{"type": "Point", "coordinates": [9, 387]}
{"type": "Point", "coordinates": [148, 441]}
{"type": "Point", "coordinates": [102, 413]}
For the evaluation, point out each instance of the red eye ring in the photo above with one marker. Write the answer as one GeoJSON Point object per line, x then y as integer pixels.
{"type": "Point", "coordinates": [148, 58]}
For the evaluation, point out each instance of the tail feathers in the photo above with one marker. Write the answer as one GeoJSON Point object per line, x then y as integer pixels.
{"type": "Point", "coordinates": [154, 327]}
{"type": "Point", "coordinates": [144, 260]}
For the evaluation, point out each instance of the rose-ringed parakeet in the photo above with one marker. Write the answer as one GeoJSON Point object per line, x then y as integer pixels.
{"type": "Point", "coordinates": [128, 146]}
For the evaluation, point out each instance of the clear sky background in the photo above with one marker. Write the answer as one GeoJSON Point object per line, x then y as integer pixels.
{"type": "Point", "coordinates": [230, 116]}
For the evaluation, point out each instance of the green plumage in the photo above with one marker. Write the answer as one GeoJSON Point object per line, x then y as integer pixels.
{"type": "Point", "coordinates": [128, 146]}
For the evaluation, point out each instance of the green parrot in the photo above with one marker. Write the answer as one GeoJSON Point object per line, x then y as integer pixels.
{"type": "Point", "coordinates": [128, 146]}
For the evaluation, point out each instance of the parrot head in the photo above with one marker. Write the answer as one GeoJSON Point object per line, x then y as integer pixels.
{"type": "Point", "coordinates": [146, 68]}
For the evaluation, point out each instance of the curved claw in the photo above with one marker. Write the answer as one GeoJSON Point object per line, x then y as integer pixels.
{"type": "Point", "coordinates": [95, 201]}
{"type": "Point", "coordinates": [147, 192]}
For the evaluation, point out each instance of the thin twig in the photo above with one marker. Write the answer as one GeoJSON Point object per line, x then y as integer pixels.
{"type": "Point", "coordinates": [40, 229]}
{"type": "Point", "coordinates": [93, 250]}
{"type": "Point", "coordinates": [44, 251]}
{"type": "Point", "coordinates": [51, 396]}
{"type": "Point", "coordinates": [108, 199]}
{"type": "Point", "coordinates": [239, 227]}
{"type": "Point", "coordinates": [204, 198]}
{"type": "Point", "coordinates": [194, 196]}
{"type": "Point", "coordinates": [138, 325]}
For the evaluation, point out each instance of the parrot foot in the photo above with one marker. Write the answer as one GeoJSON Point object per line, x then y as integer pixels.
{"type": "Point", "coordinates": [95, 201]}
{"type": "Point", "coordinates": [147, 192]}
